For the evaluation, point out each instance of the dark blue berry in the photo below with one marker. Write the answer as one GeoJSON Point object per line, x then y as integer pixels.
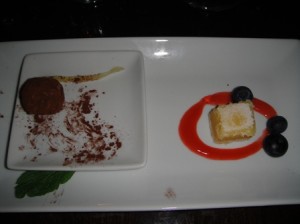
{"type": "Point", "coordinates": [277, 124]}
{"type": "Point", "coordinates": [275, 145]}
{"type": "Point", "coordinates": [241, 93]}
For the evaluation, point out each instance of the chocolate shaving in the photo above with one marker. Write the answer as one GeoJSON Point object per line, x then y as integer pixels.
{"type": "Point", "coordinates": [78, 132]}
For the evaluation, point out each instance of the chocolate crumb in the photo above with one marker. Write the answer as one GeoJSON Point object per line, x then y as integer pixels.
{"type": "Point", "coordinates": [80, 140]}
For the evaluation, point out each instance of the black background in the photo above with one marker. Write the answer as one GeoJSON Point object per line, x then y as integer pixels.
{"type": "Point", "coordinates": [57, 19]}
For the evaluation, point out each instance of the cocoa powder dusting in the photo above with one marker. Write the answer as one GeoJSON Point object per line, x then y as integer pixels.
{"type": "Point", "coordinates": [80, 134]}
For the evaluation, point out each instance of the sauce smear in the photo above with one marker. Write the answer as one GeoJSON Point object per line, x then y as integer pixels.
{"type": "Point", "coordinates": [189, 136]}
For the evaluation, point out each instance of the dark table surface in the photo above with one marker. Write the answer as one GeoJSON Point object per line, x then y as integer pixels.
{"type": "Point", "coordinates": [57, 19]}
{"type": "Point", "coordinates": [61, 19]}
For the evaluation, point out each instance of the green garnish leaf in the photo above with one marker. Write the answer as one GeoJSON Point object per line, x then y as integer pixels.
{"type": "Point", "coordinates": [37, 183]}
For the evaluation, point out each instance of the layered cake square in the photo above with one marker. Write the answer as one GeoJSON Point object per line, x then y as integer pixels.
{"type": "Point", "coordinates": [232, 122]}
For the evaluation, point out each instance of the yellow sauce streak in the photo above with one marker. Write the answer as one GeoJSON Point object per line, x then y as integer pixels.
{"type": "Point", "coordinates": [86, 78]}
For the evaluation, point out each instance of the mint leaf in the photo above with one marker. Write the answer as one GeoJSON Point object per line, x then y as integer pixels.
{"type": "Point", "coordinates": [37, 183]}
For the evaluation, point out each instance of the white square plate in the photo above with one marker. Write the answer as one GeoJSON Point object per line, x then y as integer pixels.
{"type": "Point", "coordinates": [117, 106]}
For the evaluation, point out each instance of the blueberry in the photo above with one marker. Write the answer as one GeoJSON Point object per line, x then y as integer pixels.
{"type": "Point", "coordinates": [275, 145]}
{"type": "Point", "coordinates": [277, 124]}
{"type": "Point", "coordinates": [241, 93]}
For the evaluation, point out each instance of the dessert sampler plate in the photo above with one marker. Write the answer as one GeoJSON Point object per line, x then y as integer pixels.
{"type": "Point", "coordinates": [102, 125]}
{"type": "Point", "coordinates": [169, 76]}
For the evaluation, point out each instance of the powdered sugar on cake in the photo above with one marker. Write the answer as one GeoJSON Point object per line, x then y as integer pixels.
{"type": "Point", "coordinates": [236, 115]}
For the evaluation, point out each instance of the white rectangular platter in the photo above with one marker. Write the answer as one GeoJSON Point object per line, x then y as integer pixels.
{"type": "Point", "coordinates": [178, 73]}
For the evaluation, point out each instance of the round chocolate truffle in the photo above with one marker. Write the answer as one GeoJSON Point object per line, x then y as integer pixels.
{"type": "Point", "coordinates": [42, 96]}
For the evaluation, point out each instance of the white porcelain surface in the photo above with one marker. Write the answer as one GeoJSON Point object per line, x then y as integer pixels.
{"type": "Point", "coordinates": [119, 101]}
{"type": "Point", "coordinates": [178, 73]}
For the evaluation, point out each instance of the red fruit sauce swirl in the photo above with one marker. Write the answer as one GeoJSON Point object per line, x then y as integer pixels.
{"type": "Point", "coordinates": [189, 136]}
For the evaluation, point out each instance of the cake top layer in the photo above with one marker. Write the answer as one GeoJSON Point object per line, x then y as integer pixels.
{"type": "Point", "coordinates": [235, 116]}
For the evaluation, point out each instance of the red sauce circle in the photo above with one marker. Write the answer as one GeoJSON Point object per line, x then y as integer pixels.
{"type": "Point", "coordinates": [189, 136]}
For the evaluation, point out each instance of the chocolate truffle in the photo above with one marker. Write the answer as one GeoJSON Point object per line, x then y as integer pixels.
{"type": "Point", "coordinates": [42, 96]}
